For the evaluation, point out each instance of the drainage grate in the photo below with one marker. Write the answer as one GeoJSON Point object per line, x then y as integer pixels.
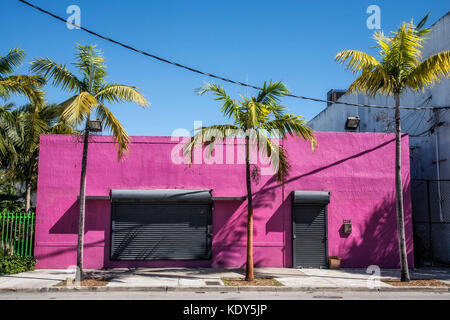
{"type": "Point", "coordinates": [213, 283]}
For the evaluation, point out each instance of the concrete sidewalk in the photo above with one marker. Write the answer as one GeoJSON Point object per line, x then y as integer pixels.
{"type": "Point", "coordinates": [204, 279]}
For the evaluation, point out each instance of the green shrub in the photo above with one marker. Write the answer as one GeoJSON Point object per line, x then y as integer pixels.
{"type": "Point", "coordinates": [11, 263]}
{"type": "Point", "coordinates": [15, 264]}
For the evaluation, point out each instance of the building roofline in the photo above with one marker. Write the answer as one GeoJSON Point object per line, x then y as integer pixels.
{"type": "Point", "coordinates": [441, 18]}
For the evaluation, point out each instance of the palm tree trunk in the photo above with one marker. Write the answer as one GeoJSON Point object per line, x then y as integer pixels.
{"type": "Point", "coordinates": [399, 194]}
{"type": "Point", "coordinates": [28, 196]}
{"type": "Point", "coordinates": [82, 213]}
{"type": "Point", "coordinates": [249, 272]}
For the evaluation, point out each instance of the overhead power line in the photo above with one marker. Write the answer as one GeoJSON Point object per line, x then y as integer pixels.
{"type": "Point", "coordinates": [210, 74]}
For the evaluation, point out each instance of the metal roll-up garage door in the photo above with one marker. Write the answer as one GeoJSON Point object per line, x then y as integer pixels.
{"type": "Point", "coordinates": [309, 218]}
{"type": "Point", "coordinates": [160, 224]}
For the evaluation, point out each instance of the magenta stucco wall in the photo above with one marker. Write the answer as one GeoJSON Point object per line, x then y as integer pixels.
{"type": "Point", "coordinates": [356, 168]}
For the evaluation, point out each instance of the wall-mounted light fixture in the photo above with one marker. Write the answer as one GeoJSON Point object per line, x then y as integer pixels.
{"type": "Point", "coordinates": [352, 123]}
{"type": "Point", "coordinates": [347, 226]}
{"type": "Point", "coordinates": [95, 126]}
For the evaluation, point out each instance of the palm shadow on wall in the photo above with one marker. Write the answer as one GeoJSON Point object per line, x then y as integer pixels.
{"type": "Point", "coordinates": [378, 240]}
{"type": "Point", "coordinates": [231, 234]}
{"type": "Point", "coordinates": [332, 164]}
{"type": "Point", "coordinates": [68, 223]}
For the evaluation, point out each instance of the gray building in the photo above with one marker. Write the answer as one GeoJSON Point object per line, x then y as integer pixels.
{"type": "Point", "coordinates": [429, 134]}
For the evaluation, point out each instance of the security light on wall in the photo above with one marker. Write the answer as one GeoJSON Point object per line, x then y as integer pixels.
{"type": "Point", "coordinates": [95, 126]}
{"type": "Point", "coordinates": [352, 123]}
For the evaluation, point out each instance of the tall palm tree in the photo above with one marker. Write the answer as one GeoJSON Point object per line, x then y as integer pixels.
{"type": "Point", "coordinates": [256, 119]}
{"type": "Point", "coordinates": [27, 85]}
{"type": "Point", "coordinates": [399, 68]}
{"type": "Point", "coordinates": [91, 92]}
{"type": "Point", "coordinates": [20, 130]}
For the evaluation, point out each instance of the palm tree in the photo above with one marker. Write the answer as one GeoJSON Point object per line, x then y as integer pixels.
{"type": "Point", "coordinates": [255, 118]}
{"type": "Point", "coordinates": [399, 68]}
{"type": "Point", "coordinates": [27, 85]}
{"type": "Point", "coordinates": [91, 92]}
{"type": "Point", "coordinates": [11, 197]}
{"type": "Point", "coordinates": [7, 120]}
{"type": "Point", "coordinates": [20, 131]}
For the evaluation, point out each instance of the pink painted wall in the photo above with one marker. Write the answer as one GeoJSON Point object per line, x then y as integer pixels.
{"type": "Point", "coordinates": [357, 169]}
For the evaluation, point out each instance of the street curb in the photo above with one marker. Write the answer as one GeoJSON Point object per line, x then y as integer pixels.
{"type": "Point", "coordinates": [224, 289]}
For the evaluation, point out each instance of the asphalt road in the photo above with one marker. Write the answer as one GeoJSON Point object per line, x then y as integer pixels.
{"type": "Point", "coordinates": [335, 295]}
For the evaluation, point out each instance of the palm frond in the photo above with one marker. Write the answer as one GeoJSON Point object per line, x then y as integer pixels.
{"type": "Point", "coordinates": [209, 136]}
{"type": "Point", "coordinates": [230, 107]}
{"type": "Point", "coordinates": [11, 61]}
{"type": "Point", "coordinates": [110, 122]}
{"type": "Point", "coordinates": [406, 47]}
{"type": "Point", "coordinates": [383, 42]}
{"type": "Point", "coordinates": [78, 107]}
{"type": "Point", "coordinates": [253, 112]}
{"type": "Point", "coordinates": [32, 126]}
{"type": "Point", "coordinates": [422, 22]}
{"type": "Point", "coordinates": [91, 63]}
{"type": "Point", "coordinates": [276, 110]}
{"type": "Point", "coordinates": [293, 126]}
{"type": "Point", "coordinates": [271, 93]}
{"type": "Point", "coordinates": [420, 26]}
{"type": "Point", "coordinates": [115, 93]}
{"type": "Point", "coordinates": [35, 82]}
{"type": "Point", "coordinates": [373, 82]}
{"type": "Point", "coordinates": [22, 85]}
{"type": "Point", "coordinates": [356, 60]}
{"type": "Point", "coordinates": [277, 156]}
{"type": "Point", "coordinates": [6, 116]}
{"type": "Point", "coordinates": [7, 152]}
{"type": "Point", "coordinates": [7, 124]}
{"type": "Point", "coordinates": [58, 73]}
{"type": "Point", "coordinates": [430, 71]}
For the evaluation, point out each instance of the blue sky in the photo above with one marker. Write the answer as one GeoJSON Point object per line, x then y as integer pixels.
{"type": "Point", "coordinates": [292, 41]}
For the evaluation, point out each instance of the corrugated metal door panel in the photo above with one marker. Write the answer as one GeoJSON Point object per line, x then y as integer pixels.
{"type": "Point", "coordinates": [160, 231]}
{"type": "Point", "coordinates": [310, 236]}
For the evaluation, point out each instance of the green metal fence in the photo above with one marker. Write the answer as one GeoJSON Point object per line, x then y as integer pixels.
{"type": "Point", "coordinates": [17, 231]}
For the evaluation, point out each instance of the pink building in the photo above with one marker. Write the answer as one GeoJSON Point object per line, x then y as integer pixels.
{"type": "Point", "coordinates": [149, 211]}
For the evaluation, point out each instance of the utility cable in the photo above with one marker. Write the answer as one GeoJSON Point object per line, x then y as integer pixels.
{"type": "Point", "coordinates": [211, 75]}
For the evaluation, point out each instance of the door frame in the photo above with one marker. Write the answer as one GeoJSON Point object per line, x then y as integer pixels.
{"type": "Point", "coordinates": [209, 234]}
{"type": "Point", "coordinates": [325, 233]}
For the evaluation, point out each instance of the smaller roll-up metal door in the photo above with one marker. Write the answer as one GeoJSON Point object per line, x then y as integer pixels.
{"type": "Point", "coordinates": [309, 219]}
{"type": "Point", "coordinates": [161, 224]}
